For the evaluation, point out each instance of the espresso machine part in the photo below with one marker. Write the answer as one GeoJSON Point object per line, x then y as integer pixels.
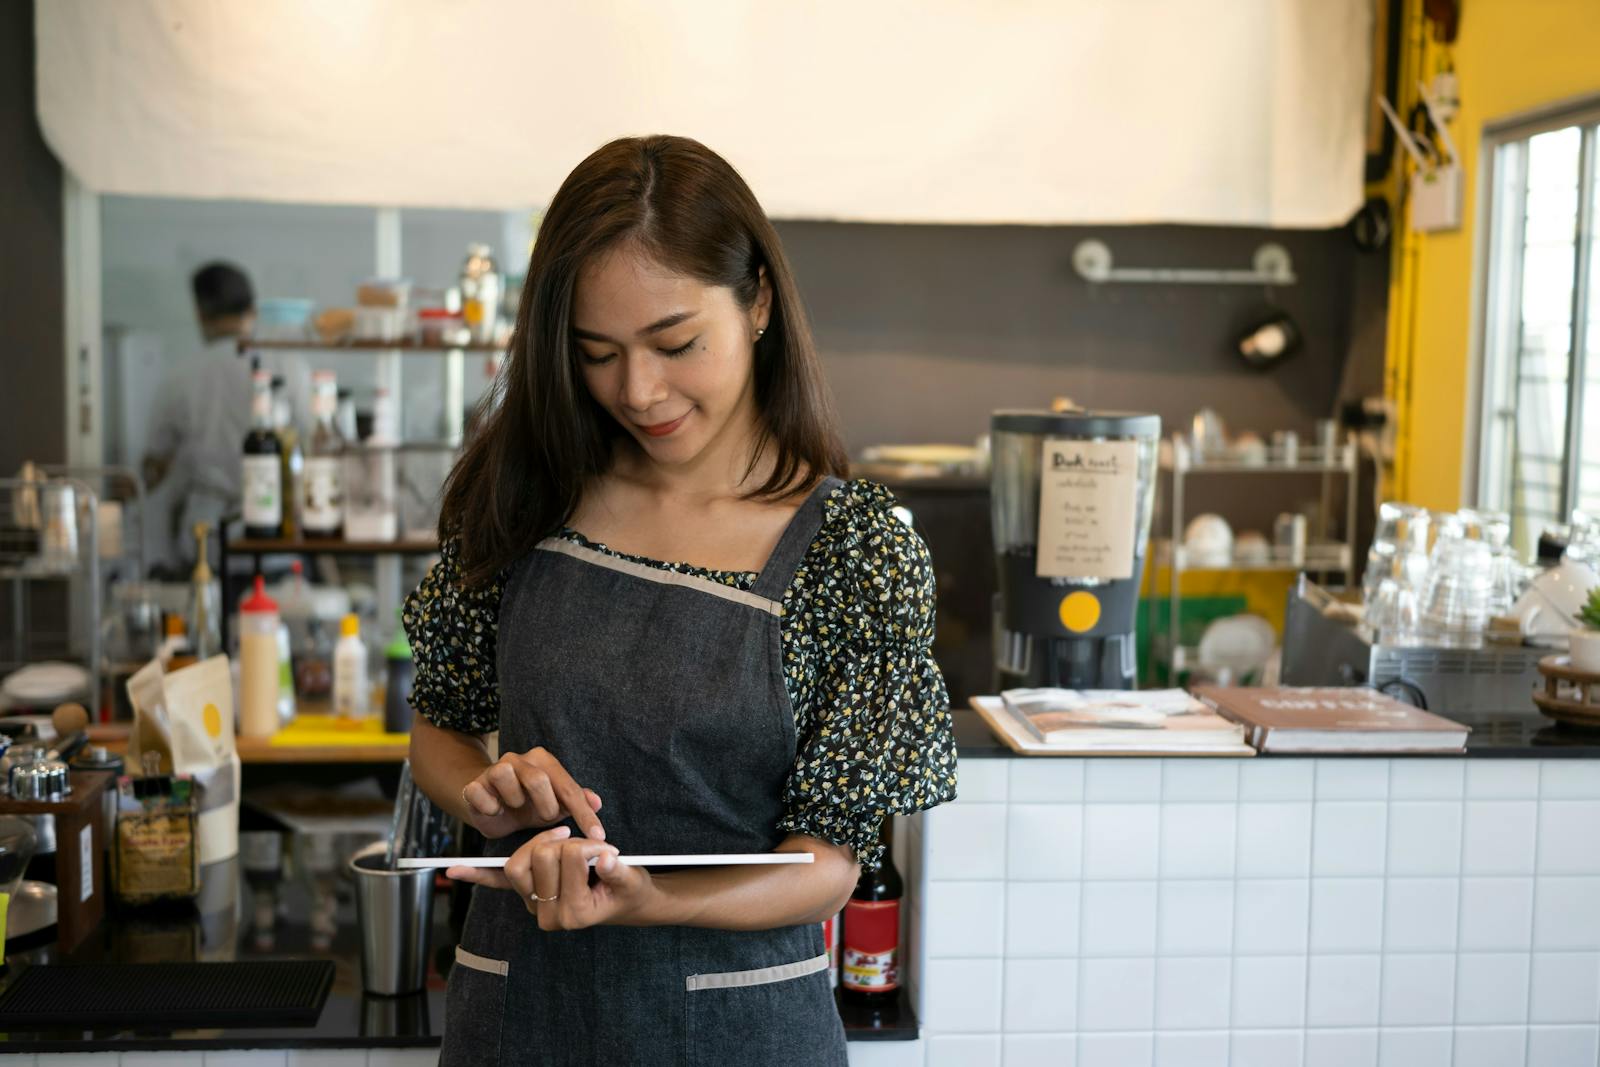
{"type": "Point", "coordinates": [1071, 499]}
{"type": "Point", "coordinates": [33, 777]}
{"type": "Point", "coordinates": [44, 780]}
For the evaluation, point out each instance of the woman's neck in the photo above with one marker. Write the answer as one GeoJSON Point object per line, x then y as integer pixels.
{"type": "Point", "coordinates": [716, 474]}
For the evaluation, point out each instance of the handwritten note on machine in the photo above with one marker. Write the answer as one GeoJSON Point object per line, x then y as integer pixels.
{"type": "Point", "coordinates": [1088, 496]}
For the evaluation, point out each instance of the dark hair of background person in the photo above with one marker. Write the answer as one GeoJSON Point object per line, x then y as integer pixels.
{"type": "Point", "coordinates": [542, 437]}
{"type": "Point", "coordinates": [222, 289]}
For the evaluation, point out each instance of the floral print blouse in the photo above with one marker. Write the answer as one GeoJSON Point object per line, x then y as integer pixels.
{"type": "Point", "coordinates": [871, 710]}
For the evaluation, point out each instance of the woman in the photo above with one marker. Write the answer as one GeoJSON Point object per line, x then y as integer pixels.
{"type": "Point", "coordinates": [769, 690]}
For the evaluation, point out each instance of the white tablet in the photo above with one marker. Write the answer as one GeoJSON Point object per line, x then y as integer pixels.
{"type": "Point", "coordinates": [720, 859]}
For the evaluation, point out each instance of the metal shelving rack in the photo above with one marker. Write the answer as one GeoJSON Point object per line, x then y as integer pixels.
{"type": "Point", "coordinates": [387, 554]}
{"type": "Point", "coordinates": [25, 560]}
{"type": "Point", "coordinates": [1324, 556]}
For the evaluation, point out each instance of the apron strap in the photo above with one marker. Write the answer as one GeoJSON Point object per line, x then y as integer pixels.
{"type": "Point", "coordinates": [795, 543]}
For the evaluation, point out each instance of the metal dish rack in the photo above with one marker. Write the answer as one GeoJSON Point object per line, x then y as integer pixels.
{"type": "Point", "coordinates": [67, 626]}
{"type": "Point", "coordinates": [1323, 556]}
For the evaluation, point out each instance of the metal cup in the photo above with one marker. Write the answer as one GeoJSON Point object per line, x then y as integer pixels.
{"type": "Point", "coordinates": [59, 548]}
{"type": "Point", "coordinates": [395, 912]}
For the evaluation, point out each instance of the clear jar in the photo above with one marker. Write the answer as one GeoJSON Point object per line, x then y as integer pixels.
{"type": "Point", "coordinates": [370, 490]}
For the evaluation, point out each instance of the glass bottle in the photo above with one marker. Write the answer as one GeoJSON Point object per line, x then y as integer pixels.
{"type": "Point", "coordinates": [291, 459]}
{"type": "Point", "coordinates": [371, 512]}
{"type": "Point", "coordinates": [261, 484]}
{"type": "Point", "coordinates": [871, 971]}
{"type": "Point", "coordinates": [480, 284]}
{"type": "Point", "coordinates": [345, 416]}
{"type": "Point", "coordinates": [205, 600]}
{"type": "Point", "coordinates": [322, 507]}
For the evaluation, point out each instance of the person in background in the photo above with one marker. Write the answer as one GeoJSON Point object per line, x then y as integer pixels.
{"type": "Point", "coordinates": [691, 634]}
{"type": "Point", "coordinates": [192, 458]}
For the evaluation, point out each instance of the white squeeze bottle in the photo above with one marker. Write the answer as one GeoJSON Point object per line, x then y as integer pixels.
{"type": "Point", "coordinates": [258, 664]}
{"type": "Point", "coordinates": [350, 671]}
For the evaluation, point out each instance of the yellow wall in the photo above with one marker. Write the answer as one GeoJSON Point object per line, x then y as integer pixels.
{"type": "Point", "coordinates": [1510, 56]}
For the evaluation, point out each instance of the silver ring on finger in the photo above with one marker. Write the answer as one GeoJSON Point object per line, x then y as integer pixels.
{"type": "Point", "coordinates": [543, 900]}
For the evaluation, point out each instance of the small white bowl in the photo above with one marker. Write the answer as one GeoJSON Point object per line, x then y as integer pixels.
{"type": "Point", "coordinates": [1208, 541]}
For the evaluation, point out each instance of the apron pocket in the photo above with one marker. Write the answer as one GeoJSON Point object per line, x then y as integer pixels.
{"type": "Point", "coordinates": [475, 1005]}
{"type": "Point", "coordinates": [782, 1015]}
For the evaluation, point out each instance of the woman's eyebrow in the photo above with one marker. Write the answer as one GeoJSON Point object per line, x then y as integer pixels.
{"type": "Point", "coordinates": [655, 327]}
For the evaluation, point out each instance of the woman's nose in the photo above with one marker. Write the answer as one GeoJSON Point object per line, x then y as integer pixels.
{"type": "Point", "coordinates": [642, 383]}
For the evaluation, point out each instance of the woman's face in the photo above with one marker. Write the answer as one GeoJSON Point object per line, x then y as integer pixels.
{"type": "Point", "coordinates": [669, 357]}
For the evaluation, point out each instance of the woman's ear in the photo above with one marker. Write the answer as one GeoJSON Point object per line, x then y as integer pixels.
{"type": "Point", "coordinates": [761, 312]}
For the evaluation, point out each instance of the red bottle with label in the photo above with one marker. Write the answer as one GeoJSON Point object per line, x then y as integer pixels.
{"type": "Point", "coordinates": [871, 963]}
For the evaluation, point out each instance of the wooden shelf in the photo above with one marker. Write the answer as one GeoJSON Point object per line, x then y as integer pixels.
{"type": "Point", "coordinates": [255, 750]}
{"type": "Point", "coordinates": [262, 750]}
{"type": "Point", "coordinates": [370, 346]}
{"type": "Point", "coordinates": [254, 546]}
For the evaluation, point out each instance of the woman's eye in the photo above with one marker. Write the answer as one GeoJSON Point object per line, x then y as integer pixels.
{"type": "Point", "coordinates": [595, 361]}
{"type": "Point", "coordinates": [680, 350]}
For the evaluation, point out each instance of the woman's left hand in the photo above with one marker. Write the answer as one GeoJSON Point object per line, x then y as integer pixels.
{"type": "Point", "coordinates": [552, 875]}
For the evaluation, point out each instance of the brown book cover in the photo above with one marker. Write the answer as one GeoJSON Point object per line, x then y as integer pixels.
{"type": "Point", "coordinates": [1289, 719]}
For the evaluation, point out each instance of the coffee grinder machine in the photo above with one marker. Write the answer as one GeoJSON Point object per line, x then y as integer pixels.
{"type": "Point", "coordinates": [1070, 500]}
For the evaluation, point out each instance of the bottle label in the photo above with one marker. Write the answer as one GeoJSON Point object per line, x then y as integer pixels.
{"type": "Point", "coordinates": [324, 501]}
{"type": "Point", "coordinates": [350, 684]}
{"type": "Point", "coordinates": [872, 945]}
{"type": "Point", "coordinates": [262, 487]}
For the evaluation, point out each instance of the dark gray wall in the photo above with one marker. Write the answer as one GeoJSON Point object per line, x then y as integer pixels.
{"type": "Point", "coordinates": [927, 329]}
{"type": "Point", "coordinates": [32, 384]}
{"type": "Point", "coordinates": [32, 377]}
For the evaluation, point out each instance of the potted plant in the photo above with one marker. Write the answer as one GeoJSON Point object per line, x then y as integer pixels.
{"type": "Point", "coordinates": [1586, 641]}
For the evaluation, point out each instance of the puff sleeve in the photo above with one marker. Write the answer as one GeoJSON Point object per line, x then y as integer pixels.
{"type": "Point", "coordinates": [872, 712]}
{"type": "Point", "coordinates": [452, 631]}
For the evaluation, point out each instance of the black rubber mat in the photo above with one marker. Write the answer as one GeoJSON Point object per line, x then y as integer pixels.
{"type": "Point", "coordinates": [188, 995]}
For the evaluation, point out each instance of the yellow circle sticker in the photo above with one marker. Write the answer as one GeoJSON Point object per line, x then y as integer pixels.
{"type": "Point", "coordinates": [213, 720]}
{"type": "Point", "coordinates": [1079, 611]}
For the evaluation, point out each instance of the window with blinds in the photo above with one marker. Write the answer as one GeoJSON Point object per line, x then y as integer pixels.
{"type": "Point", "coordinates": [1539, 445]}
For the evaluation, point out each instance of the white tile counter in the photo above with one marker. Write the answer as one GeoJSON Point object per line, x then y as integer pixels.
{"type": "Point", "coordinates": [1278, 912]}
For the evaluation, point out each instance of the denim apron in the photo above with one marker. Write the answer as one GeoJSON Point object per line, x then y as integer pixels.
{"type": "Point", "coordinates": [664, 693]}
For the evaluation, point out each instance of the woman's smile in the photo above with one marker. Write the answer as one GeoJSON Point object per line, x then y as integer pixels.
{"type": "Point", "coordinates": [662, 429]}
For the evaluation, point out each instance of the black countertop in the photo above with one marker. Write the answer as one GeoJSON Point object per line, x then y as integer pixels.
{"type": "Point", "coordinates": [1528, 736]}
{"type": "Point", "coordinates": [349, 1019]}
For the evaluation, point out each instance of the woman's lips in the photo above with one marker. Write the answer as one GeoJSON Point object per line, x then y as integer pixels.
{"type": "Point", "coordinates": [661, 429]}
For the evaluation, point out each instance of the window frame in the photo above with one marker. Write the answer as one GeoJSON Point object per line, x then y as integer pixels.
{"type": "Point", "coordinates": [1489, 452]}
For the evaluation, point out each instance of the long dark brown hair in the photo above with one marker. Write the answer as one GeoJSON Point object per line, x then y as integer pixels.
{"type": "Point", "coordinates": [542, 438]}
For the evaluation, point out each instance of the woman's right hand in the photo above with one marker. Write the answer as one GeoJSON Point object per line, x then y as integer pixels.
{"type": "Point", "coordinates": [529, 790]}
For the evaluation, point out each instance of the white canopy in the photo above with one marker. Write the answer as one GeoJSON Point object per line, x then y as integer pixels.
{"type": "Point", "coordinates": [1009, 111]}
